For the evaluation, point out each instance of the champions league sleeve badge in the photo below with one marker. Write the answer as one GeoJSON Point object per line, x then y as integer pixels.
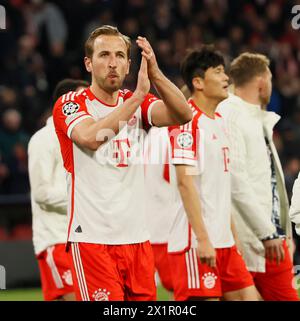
{"type": "Point", "coordinates": [70, 108]}
{"type": "Point", "coordinates": [185, 140]}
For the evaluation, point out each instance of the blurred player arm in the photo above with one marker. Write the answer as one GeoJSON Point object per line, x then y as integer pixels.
{"type": "Point", "coordinates": [243, 196]}
{"type": "Point", "coordinates": [192, 206]}
{"type": "Point", "coordinates": [49, 195]}
{"type": "Point", "coordinates": [173, 109]}
{"type": "Point", "coordinates": [295, 205]}
{"type": "Point", "coordinates": [235, 236]}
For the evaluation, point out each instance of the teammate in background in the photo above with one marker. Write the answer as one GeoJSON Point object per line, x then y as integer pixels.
{"type": "Point", "coordinates": [100, 134]}
{"type": "Point", "coordinates": [258, 190]}
{"type": "Point", "coordinates": [205, 261]}
{"type": "Point", "coordinates": [49, 205]}
{"type": "Point", "coordinates": [160, 183]}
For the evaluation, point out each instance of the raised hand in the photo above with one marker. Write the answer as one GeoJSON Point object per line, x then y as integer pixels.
{"type": "Point", "coordinates": [148, 53]}
{"type": "Point", "coordinates": [143, 82]}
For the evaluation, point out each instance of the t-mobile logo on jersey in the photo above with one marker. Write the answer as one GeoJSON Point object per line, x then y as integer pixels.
{"type": "Point", "coordinates": [2, 18]}
{"type": "Point", "coordinates": [226, 158]}
{"type": "Point", "coordinates": [2, 278]}
{"type": "Point", "coordinates": [121, 151]}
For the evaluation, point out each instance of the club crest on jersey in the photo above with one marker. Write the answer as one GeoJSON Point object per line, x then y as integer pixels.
{"type": "Point", "coordinates": [70, 108]}
{"type": "Point", "coordinates": [209, 280]}
{"type": "Point", "coordinates": [101, 295]}
{"type": "Point", "coordinates": [185, 140]}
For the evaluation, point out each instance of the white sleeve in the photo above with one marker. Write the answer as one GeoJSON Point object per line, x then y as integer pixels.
{"type": "Point", "coordinates": [295, 205]}
{"type": "Point", "coordinates": [243, 195]}
{"type": "Point", "coordinates": [50, 196]}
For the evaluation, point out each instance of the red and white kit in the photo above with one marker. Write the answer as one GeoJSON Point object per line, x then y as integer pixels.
{"type": "Point", "coordinates": [106, 186]}
{"type": "Point", "coordinates": [203, 145]}
{"type": "Point", "coordinates": [161, 191]}
{"type": "Point", "coordinates": [49, 212]}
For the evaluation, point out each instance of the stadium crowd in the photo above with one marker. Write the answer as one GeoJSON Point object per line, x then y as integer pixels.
{"type": "Point", "coordinates": [43, 43]}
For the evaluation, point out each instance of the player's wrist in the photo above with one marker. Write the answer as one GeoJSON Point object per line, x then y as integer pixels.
{"type": "Point", "coordinates": [273, 236]}
{"type": "Point", "coordinates": [156, 74]}
{"type": "Point", "coordinates": [138, 95]}
{"type": "Point", "coordinates": [202, 238]}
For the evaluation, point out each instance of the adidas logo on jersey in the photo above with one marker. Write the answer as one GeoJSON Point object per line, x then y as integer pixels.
{"type": "Point", "coordinates": [78, 229]}
{"type": "Point", "coordinates": [209, 280]}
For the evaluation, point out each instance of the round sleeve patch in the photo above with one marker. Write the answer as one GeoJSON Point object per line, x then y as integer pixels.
{"type": "Point", "coordinates": [70, 108]}
{"type": "Point", "coordinates": [185, 140]}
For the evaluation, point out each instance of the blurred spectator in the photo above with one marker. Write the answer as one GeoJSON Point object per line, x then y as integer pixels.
{"type": "Point", "coordinates": [41, 14]}
{"type": "Point", "coordinates": [43, 43]}
{"type": "Point", "coordinates": [13, 147]}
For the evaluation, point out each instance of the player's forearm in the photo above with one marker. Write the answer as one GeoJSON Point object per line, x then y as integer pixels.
{"type": "Point", "coordinates": [99, 132]}
{"type": "Point", "coordinates": [233, 229]}
{"type": "Point", "coordinates": [51, 199]}
{"type": "Point", "coordinates": [244, 197]}
{"type": "Point", "coordinates": [192, 208]}
{"type": "Point", "coordinates": [172, 97]}
{"type": "Point", "coordinates": [245, 202]}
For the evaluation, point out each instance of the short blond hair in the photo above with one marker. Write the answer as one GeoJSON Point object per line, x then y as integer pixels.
{"type": "Point", "coordinates": [247, 66]}
{"type": "Point", "coordinates": [108, 31]}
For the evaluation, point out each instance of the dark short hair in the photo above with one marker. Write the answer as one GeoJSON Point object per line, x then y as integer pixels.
{"type": "Point", "coordinates": [67, 85]}
{"type": "Point", "coordinates": [196, 62]}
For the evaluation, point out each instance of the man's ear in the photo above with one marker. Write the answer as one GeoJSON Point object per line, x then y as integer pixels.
{"type": "Point", "coordinates": [198, 83]}
{"type": "Point", "coordinates": [260, 83]}
{"type": "Point", "coordinates": [88, 64]}
{"type": "Point", "coordinates": [129, 63]}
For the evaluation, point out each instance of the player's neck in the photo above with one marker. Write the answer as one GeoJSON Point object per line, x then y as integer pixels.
{"type": "Point", "coordinates": [107, 97]}
{"type": "Point", "coordinates": [248, 94]}
{"type": "Point", "coordinates": [206, 104]}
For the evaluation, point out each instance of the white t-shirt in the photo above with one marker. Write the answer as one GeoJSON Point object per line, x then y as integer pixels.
{"type": "Point", "coordinates": [160, 182]}
{"type": "Point", "coordinates": [106, 186]}
{"type": "Point", "coordinates": [203, 145]}
{"type": "Point", "coordinates": [48, 189]}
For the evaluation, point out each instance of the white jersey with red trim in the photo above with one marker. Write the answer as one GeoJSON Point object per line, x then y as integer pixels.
{"type": "Point", "coordinates": [203, 144]}
{"type": "Point", "coordinates": [48, 189]}
{"type": "Point", "coordinates": [106, 186]}
{"type": "Point", "coordinates": [160, 182]}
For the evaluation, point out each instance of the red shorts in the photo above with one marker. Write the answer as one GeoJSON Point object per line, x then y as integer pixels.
{"type": "Point", "coordinates": [113, 272]}
{"type": "Point", "coordinates": [55, 270]}
{"type": "Point", "coordinates": [276, 284]}
{"type": "Point", "coordinates": [193, 279]}
{"type": "Point", "coordinates": [162, 265]}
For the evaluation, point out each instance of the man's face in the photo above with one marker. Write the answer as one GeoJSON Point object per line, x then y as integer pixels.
{"type": "Point", "coordinates": [109, 64]}
{"type": "Point", "coordinates": [215, 83]}
{"type": "Point", "coordinates": [266, 88]}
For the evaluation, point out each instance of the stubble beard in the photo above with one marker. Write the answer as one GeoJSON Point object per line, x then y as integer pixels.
{"type": "Point", "coordinates": [108, 85]}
